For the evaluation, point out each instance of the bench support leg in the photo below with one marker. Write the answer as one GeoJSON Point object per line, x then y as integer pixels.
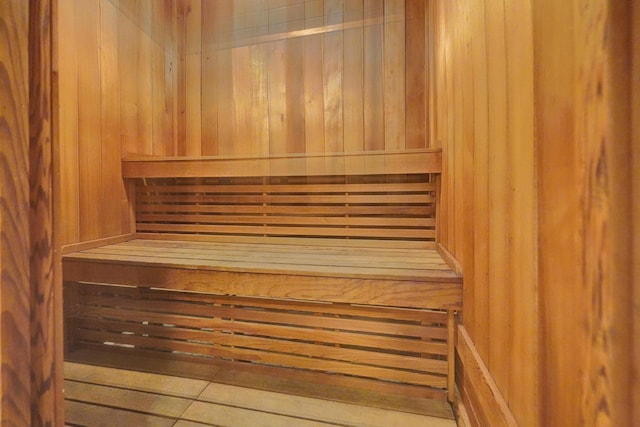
{"type": "Point", "coordinates": [451, 357]}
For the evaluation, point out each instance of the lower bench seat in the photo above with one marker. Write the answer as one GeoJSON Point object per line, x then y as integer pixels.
{"type": "Point", "coordinates": [306, 270]}
{"type": "Point", "coordinates": [350, 309]}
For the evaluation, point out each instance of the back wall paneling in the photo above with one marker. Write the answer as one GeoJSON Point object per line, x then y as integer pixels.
{"type": "Point", "coordinates": [302, 76]}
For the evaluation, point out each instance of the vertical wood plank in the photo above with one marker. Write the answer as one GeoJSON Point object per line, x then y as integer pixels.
{"type": "Point", "coordinates": [145, 86]}
{"type": "Point", "coordinates": [259, 99]}
{"type": "Point", "coordinates": [68, 116]}
{"type": "Point", "coordinates": [15, 406]}
{"type": "Point", "coordinates": [499, 183]}
{"type": "Point", "coordinates": [467, 142]}
{"type": "Point", "coordinates": [183, 91]}
{"type": "Point", "coordinates": [333, 69]}
{"type": "Point", "coordinates": [432, 97]}
{"type": "Point", "coordinates": [225, 22]}
{"type": "Point", "coordinates": [394, 75]}
{"type": "Point", "coordinates": [193, 77]}
{"type": "Point", "coordinates": [619, 120]}
{"type": "Point", "coordinates": [169, 43]}
{"type": "Point", "coordinates": [602, 131]}
{"type": "Point", "coordinates": [523, 313]}
{"type": "Point", "coordinates": [277, 98]}
{"type": "Point", "coordinates": [313, 95]}
{"type": "Point", "coordinates": [294, 71]}
{"type": "Point", "coordinates": [353, 91]}
{"type": "Point", "coordinates": [128, 66]}
{"type": "Point", "coordinates": [440, 130]}
{"type": "Point", "coordinates": [57, 377]}
{"type": "Point", "coordinates": [159, 141]}
{"type": "Point", "coordinates": [111, 181]}
{"type": "Point", "coordinates": [635, 197]}
{"type": "Point", "coordinates": [244, 82]}
{"type": "Point", "coordinates": [416, 74]}
{"type": "Point", "coordinates": [240, 58]}
{"type": "Point", "coordinates": [46, 391]}
{"type": "Point", "coordinates": [89, 119]}
{"type": "Point", "coordinates": [374, 138]}
{"type": "Point", "coordinates": [557, 183]}
{"type": "Point", "coordinates": [449, 139]}
{"type": "Point", "coordinates": [209, 83]}
{"type": "Point", "coordinates": [477, 312]}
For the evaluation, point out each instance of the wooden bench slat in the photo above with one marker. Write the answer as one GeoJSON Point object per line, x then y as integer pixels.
{"type": "Point", "coordinates": [338, 221]}
{"type": "Point", "coordinates": [274, 343]}
{"type": "Point", "coordinates": [334, 210]}
{"type": "Point", "coordinates": [273, 317]}
{"type": "Point", "coordinates": [271, 230]}
{"type": "Point", "coordinates": [404, 187]}
{"type": "Point", "coordinates": [383, 162]}
{"type": "Point", "coordinates": [288, 199]}
{"type": "Point", "coordinates": [283, 267]}
{"type": "Point", "coordinates": [430, 293]}
{"type": "Point", "coordinates": [212, 253]}
{"type": "Point", "coordinates": [291, 241]}
{"type": "Point", "coordinates": [277, 331]}
{"type": "Point", "coordinates": [423, 317]}
{"type": "Point", "coordinates": [266, 357]}
{"type": "Point", "coordinates": [288, 245]}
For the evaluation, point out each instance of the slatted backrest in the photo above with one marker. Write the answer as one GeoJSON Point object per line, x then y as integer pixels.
{"type": "Point", "coordinates": [372, 207]}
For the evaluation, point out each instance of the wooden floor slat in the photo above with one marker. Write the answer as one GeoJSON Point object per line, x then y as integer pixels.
{"type": "Point", "coordinates": [238, 417]}
{"type": "Point", "coordinates": [142, 381]}
{"type": "Point", "coordinates": [84, 414]}
{"type": "Point", "coordinates": [105, 396]}
{"type": "Point", "coordinates": [316, 409]}
{"type": "Point", "coordinates": [134, 400]}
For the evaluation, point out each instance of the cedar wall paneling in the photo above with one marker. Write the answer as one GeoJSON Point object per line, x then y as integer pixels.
{"type": "Point", "coordinates": [46, 284]}
{"type": "Point", "coordinates": [15, 403]}
{"type": "Point", "coordinates": [537, 206]}
{"type": "Point", "coordinates": [635, 150]}
{"type": "Point", "coordinates": [301, 76]}
{"type": "Point", "coordinates": [117, 92]}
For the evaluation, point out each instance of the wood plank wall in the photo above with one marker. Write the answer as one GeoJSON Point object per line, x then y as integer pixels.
{"type": "Point", "coordinates": [537, 206]}
{"type": "Point", "coordinates": [635, 155]}
{"type": "Point", "coordinates": [117, 77]}
{"type": "Point", "coordinates": [46, 284]}
{"type": "Point", "coordinates": [216, 77]}
{"type": "Point", "coordinates": [15, 403]}
{"type": "Point", "coordinates": [301, 76]}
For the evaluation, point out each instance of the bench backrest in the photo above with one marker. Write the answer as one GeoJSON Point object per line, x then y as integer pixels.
{"type": "Point", "coordinates": [382, 197]}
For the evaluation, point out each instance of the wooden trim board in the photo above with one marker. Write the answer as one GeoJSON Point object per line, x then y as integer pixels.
{"type": "Point", "coordinates": [405, 162]}
{"type": "Point", "coordinates": [480, 396]}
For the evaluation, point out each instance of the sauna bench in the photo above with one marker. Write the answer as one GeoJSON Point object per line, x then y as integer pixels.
{"type": "Point", "coordinates": [326, 265]}
{"type": "Point", "coordinates": [304, 270]}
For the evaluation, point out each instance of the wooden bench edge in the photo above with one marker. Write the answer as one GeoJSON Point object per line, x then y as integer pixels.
{"type": "Point", "coordinates": [371, 163]}
{"type": "Point", "coordinates": [90, 244]}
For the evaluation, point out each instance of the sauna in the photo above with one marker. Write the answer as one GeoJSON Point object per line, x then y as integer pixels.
{"type": "Point", "coordinates": [319, 212]}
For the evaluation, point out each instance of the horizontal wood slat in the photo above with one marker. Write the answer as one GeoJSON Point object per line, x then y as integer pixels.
{"type": "Point", "coordinates": [380, 207]}
{"type": "Point", "coordinates": [370, 163]}
{"type": "Point", "coordinates": [388, 344]}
